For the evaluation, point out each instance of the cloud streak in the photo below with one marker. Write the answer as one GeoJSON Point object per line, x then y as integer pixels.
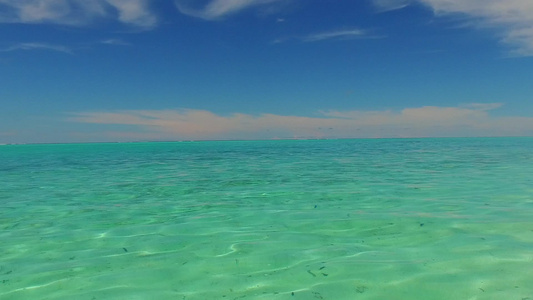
{"type": "Point", "coordinates": [77, 12]}
{"type": "Point", "coordinates": [386, 5]}
{"type": "Point", "coordinates": [335, 35]}
{"type": "Point", "coordinates": [216, 9]}
{"type": "Point", "coordinates": [338, 35]}
{"type": "Point", "coordinates": [115, 42]}
{"type": "Point", "coordinates": [512, 19]}
{"type": "Point", "coordinates": [467, 120]}
{"type": "Point", "coordinates": [38, 46]}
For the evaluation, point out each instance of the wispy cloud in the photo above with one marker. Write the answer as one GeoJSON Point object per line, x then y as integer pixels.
{"type": "Point", "coordinates": [216, 9]}
{"type": "Point", "coordinates": [386, 5]}
{"type": "Point", "coordinates": [338, 34]}
{"type": "Point", "coordinates": [37, 46]}
{"type": "Point", "coordinates": [512, 19]}
{"type": "Point", "coordinates": [467, 120]}
{"type": "Point", "coordinates": [115, 42]}
{"type": "Point", "coordinates": [77, 12]}
{"type": "Point", "coordinates": [134, 12]}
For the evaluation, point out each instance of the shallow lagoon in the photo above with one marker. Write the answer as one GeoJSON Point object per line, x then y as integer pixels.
{"type": "Point", "coordinates": [327, 219]}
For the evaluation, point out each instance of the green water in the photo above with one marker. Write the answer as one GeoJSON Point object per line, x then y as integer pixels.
{"type": "Point", "coordinates": [340, 219]}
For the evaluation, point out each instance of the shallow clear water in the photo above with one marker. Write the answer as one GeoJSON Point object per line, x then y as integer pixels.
{"type": "Point", "coordinates": [336, 219]}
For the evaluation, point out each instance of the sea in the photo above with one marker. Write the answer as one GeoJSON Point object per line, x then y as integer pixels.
{"type": "Point", "coordinates": [431, 218]}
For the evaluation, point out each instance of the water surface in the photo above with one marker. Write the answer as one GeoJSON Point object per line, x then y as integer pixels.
{"type": "Point", "coordinates": [331, 219]}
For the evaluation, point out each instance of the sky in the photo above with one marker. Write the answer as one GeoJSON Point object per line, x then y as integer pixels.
{"type": "Point", "coordinates": [166, 70]}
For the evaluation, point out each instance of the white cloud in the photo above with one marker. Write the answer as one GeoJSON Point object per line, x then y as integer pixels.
{"type": "Point", "coordinates": [76, 12]}
{"type": "Point", "coordinates": [468, 120]}
{"type": "Point", "coordinates": [215, 9]}
{"type": "Point", "coordinates": [38, 46]}
{"type": "Point", "coordinates": [134, 12]}
{"type": "Point", "coordinates": [386, 5]}
{"type": "Point", "coordinates": [512, 19]}
{"type": "Point", "coordinates": [116, 42]}
{"type": "Point", "coordinates": [343, 34]}
{"type": "Point", "coordinates": [339, 34]}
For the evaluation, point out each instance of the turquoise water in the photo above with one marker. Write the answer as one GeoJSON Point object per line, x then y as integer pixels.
{"type": "Point", "coordinates": [336, 219]}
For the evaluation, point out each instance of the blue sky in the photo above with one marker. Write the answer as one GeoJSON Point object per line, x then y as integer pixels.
{"type": "Point", "coordinates": [136, 70]}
